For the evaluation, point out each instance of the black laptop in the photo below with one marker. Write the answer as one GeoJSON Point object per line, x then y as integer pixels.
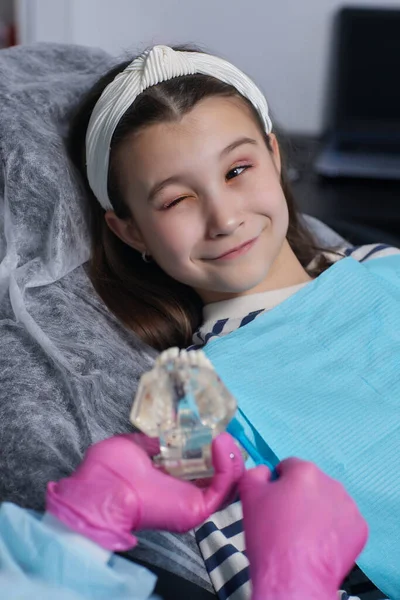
{"type": "Point", "coordinates": [363, 135]}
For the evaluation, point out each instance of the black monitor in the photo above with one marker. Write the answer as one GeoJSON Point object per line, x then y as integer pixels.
{"type": "Point", "coordinates": [366, 92]}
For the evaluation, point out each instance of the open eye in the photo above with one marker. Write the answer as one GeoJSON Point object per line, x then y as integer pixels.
{"type": "Point", "coordinates": [236, 171]}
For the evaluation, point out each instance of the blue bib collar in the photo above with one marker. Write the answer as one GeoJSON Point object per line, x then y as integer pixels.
{"type": "Point", "coordinates": [319, 377]}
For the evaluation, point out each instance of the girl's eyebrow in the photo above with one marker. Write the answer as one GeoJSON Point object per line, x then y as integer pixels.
{"type": "Point", "coordinates": [157, 187]}
{"type": "Point", "coordinates": [236, 143]}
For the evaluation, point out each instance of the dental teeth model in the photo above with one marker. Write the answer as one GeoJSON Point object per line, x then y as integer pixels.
{"type": "Point", "coordinates": [183, 402]}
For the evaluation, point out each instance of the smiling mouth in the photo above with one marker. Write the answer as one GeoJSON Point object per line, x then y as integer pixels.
{"type": "Point", "coordinates": [238, 251]}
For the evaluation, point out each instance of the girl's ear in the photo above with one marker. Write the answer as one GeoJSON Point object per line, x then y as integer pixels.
{"type": "Point", "coordinates": [276, 154]}
{"type": "Point", "coordinates": [126, 230]}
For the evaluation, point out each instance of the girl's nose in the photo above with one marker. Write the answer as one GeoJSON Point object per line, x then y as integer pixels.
{"type": "Point", "coordinates": [224, 217]}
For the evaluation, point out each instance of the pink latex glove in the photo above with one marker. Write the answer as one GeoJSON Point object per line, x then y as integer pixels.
{"type": "Point", "coordinates": [117, 489]}
{"type": "Point", "coordinates": [303, 532]}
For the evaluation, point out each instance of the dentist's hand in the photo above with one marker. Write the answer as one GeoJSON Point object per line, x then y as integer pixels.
{"type": "Point", "coordinates": [117, 490]}
{"type": "Point", "coordinates": [303, 532]}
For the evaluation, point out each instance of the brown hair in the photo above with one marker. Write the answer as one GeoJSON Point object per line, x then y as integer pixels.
{"type": "Point", "coordinates": [160, 310]}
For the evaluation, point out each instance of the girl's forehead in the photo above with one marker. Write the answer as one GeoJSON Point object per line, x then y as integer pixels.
{"type": "Point", "coordinates": [190, 145]}
{"type": "Point", "coordinates": [215, 122]}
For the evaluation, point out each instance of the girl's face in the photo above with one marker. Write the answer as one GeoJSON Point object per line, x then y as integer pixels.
{"type": "Point", "coordinates": [206, 202]}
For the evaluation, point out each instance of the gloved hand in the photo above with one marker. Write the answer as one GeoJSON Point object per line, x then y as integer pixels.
{"type": "Point", "coordinates": [117, 489]}
{"type": "Point", "coordinates": [303, 532]}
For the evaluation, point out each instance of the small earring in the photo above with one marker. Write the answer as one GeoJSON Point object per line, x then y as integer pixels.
{"type": "Point", "coordinates": [146, 257]}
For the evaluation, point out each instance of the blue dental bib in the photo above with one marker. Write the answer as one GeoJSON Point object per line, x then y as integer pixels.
{"type": "Point", "coordinates": [318, 377]}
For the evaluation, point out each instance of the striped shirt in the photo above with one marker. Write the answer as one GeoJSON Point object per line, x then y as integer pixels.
{"type": "Point", "coordinates": [221, 538]}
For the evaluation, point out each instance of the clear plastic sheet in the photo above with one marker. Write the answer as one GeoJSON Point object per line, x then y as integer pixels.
{"type": "Point", "coordinates": [38, 562]}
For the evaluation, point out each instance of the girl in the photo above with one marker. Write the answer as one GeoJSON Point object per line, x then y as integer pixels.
{"type": "Point", "coordinates": [195, 235]}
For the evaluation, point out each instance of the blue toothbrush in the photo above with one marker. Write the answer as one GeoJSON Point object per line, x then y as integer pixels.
{"type": "Point", "coordinates": [235, 428]}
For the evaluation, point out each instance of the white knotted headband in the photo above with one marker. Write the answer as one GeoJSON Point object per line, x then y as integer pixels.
{"type": "Point", "coordinates": [159, 64]}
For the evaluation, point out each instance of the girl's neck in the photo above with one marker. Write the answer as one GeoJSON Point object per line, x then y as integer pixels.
{"type": "Point", "coordinates": [286, 271]}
